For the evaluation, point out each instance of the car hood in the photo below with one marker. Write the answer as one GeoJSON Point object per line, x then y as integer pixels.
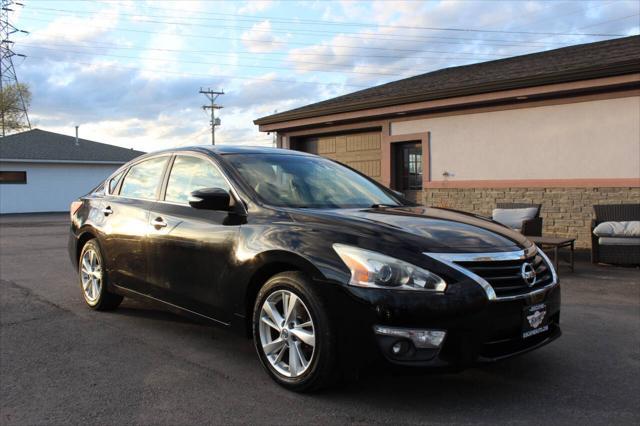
{"type": "Point", "coordinates": [435, 229]}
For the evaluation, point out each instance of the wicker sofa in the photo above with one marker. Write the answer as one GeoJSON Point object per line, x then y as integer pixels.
{"type": "Point", "coordinates": [531, 227]}
{"type": "Point", "coordinates": [616, 254]}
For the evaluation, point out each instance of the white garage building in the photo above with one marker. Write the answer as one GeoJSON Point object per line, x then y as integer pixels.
{"type": "Point", "coordinates": [43, 171]}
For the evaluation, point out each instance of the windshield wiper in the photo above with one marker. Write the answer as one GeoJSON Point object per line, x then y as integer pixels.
{"type": "Point", "coordinates": [380, 206]}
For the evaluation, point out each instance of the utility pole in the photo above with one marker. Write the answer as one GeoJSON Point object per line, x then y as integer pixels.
{"type": "Point", "coordinates": [212, 96]}
{"type": "Point", "coordinates": [8, 75]}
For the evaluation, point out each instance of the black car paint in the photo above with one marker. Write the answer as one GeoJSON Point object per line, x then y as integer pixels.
{"type": "Point", "coordinates": [211, 263]}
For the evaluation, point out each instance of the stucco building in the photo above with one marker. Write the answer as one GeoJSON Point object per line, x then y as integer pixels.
{"type": "Point", "coordinates": [43, 171]}
{"type": "Point", "coordinates": [560, 127]}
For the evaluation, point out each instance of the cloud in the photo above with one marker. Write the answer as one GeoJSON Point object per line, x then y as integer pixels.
{"type": "Point", "coordinates": [260, 38]}
{"type": "Point", "coordinates": [127, 108]}
{"type": "Point", "coordinates": [403, 46]}
{"type": "Point", "coordinates": [77, 30]}
{"type": "Point", "coordinates": [118, 100]}
{"type": "Point", "coordinates": [156, 58]}
{"type": "Point", "coordinates": [272, 94]}
{"type": "Point", "coordinates": [253, 6]}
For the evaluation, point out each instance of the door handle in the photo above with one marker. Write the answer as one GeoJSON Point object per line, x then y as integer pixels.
{"type": "Point", "coordinates": [158, 223]}
{"type": "Point", "coordinates": [107, 211]}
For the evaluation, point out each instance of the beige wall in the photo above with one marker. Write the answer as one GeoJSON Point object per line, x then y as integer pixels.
{"type": "Point", "coordinates": [582, 140]}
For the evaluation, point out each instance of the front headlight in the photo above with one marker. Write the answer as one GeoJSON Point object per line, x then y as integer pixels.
{"type": "Point", "coordinates": [371, 269]}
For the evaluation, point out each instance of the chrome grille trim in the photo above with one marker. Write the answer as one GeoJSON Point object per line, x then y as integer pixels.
{"type": "Point", "coordinates": [450, 260]}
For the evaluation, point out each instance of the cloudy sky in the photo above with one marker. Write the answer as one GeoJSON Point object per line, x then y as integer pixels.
{"type": "Point", "coordinates": [129, 72]}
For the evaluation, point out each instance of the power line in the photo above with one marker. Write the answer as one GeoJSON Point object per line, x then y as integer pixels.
{"type": "Point", "coordinates": [350, 24]}
{"type": "Point", "coordinates": [613, 20]}
{"type": "Point", "coordinates": [194, 62]}
{"type": "Point", "coordinates": [234, 76]}
{"type": "Point", "coordinates": [242, 38]}
{"type": "Point", "coordinates": [340, 69]}
{"type": "Point", "coordinates": [241, 52]}
{"type": "Point", "coordinates": [184, 73]}
{"type": "Point", "coordinates": [279, 42]}
{"type": "Point", "coordinates": [603, 22]}
{"type": "Point", "coordinates": [352, 35]}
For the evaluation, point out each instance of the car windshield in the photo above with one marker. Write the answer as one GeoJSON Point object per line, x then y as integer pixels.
{"type": "Point", "coordinates": [308, 182]}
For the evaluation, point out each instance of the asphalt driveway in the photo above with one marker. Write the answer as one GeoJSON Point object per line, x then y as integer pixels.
{"type": "Point", "coordinates": [60, 362]}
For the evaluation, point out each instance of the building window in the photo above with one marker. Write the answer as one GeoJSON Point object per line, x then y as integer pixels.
{"type": "Point", "coordinates": [408, 166]}
{"type": "Point", "coordinates": [13, 177]}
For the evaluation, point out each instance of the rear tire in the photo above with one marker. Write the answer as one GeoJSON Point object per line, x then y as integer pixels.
{"type": "Point", "coordinates": [293, 335]}
{"type": "Point", "coordinates": [94, 280]}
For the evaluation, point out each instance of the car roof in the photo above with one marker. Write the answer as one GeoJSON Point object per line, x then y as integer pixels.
{"type": "Point", "coordinates": [238, 149]}
{"type": "Point", "coordinates": [221, 150]}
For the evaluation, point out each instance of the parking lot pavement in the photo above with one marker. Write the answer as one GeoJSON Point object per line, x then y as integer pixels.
{"type": "Point", "coordinates": [63, 363]}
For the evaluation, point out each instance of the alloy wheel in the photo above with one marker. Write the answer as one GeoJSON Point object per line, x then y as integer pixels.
{"type": "Point", "coordinates": [91, 276]}
{"type": "Point", "coordinates": [287, 333]}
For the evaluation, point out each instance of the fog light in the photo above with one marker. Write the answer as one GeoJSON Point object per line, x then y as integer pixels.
{"type": "Point", "coordinates": [400, 347]}
{"type": "Point", "coordinates": [423, 339]}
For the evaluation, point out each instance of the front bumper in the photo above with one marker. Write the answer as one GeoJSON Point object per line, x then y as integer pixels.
{"type": "Point", "coordinates": [477, 330]}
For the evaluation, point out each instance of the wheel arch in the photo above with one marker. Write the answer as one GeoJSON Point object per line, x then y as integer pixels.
{"type": "Point", "coordinates": [83, 237]}
{"type": "Point", "coordinates": [269, 264]}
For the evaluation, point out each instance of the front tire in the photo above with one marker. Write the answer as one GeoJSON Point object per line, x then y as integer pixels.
{"type": "Point", "coordinates": [94, 280]}
{"type": "Point", "coordinates": [292, 333]}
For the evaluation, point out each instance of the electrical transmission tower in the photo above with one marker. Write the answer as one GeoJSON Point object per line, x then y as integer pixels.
{"type": "Point", "coordinates": [8, 75]}
{"type": "Point", "coordinates": [212, 96]}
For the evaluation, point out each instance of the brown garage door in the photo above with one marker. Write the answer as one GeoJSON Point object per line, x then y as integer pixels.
{"type": "Point", "coordinates": [358, 150]}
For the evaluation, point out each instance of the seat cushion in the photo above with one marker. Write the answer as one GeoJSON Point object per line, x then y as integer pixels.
{"type": "Point", "coordinates": [624, 229]}
{"type": "Point", "coordinates": [513, 218]}
{"type": "Point", "coordinates": [619, 241]}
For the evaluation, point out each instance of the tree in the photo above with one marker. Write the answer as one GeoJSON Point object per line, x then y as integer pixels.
{"type": "Point", "coordinates": [14, 101]}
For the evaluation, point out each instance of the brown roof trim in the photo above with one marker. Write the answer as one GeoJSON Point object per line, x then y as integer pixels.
{"type": "Point", "coordinates": [596, 72]}
{"type": "Point", "coordinates": [574, 88]}
{"type": "Point", "coordinates": [614, 65]}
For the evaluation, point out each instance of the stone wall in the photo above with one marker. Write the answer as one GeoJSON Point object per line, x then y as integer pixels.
{"type": "Point", "coordinates": [565, 211]}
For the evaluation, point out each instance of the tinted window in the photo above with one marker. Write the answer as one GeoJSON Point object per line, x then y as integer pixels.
{"type": "Point", "coordinates": [113, 182]}
{"type": "Point", "coordinates": [143, 179]}
{"type": "Point", "coordinates": [314, 182]}
{"type": "Point", "coordinates": [189, 174]}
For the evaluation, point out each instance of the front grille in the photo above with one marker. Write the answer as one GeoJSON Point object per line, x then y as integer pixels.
{"type": "Point", "coordinates": [505, 275]}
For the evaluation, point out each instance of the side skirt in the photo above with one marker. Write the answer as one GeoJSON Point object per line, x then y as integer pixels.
{"type": "Point", "coordinates": [173, 308]}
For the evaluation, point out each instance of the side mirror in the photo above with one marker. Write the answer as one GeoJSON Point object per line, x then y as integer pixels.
{"type": "Point", "coordinates": [210, 199]}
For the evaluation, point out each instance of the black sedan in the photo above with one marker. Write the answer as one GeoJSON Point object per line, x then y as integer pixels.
{"type": "Point", "coordinates": [325, 268]}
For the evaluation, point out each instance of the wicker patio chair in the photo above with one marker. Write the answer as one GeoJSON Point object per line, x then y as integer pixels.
{"type": "Point", "coordinates": [616, 254]}
{"type": "Point", "coordinates": [531, 227]}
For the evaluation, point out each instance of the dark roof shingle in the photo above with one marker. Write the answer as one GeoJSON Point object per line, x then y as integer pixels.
{"type": "Point", "coordinates": [601, 59]}
{"type": "Point", "coordinates": [41, 145]}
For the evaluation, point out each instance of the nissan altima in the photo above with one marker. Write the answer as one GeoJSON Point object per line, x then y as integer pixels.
{"type": "Point", "coordinates": [324, 268]}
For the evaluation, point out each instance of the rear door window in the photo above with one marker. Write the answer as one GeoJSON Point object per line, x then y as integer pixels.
{"type": "Point", "coordinates": [144, 178]}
